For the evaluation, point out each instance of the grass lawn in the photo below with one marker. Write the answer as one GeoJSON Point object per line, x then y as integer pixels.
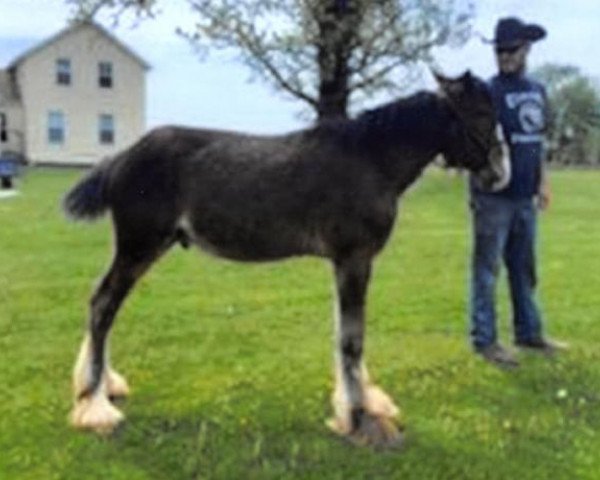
{"type": "Point", "coordinates": [230, 365]}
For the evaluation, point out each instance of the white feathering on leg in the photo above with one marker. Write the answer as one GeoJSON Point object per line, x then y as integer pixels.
{"type": "Point", "coordinates": [116, 385]}
{"type": "Point", "coordinates": [82, 372]}
{"type": "Point", "coordinates": [95, 412]}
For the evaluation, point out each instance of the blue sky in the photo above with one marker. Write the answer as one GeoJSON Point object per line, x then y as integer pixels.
{"type": "Point", "coordinates": [217, 93]}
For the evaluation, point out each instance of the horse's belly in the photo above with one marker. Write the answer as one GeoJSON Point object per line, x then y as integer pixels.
{"type": "Point", "coordinates": [250, 241]}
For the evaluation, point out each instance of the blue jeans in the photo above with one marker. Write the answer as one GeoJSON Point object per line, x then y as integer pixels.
{"type": "Point", "coordinates": [503, 228]}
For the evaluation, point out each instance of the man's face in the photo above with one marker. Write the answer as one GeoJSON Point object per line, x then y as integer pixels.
{"type": "Point", "coordinates": [512, 59]}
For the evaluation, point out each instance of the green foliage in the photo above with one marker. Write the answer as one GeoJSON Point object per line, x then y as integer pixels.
{"type": "Point", "coordinates": [280, 41]}
{"type": "Point", "coordinates": [230, 364]}
{"type": "Point", "coordinates": [87, 9]}
{"type": "Point", "coordinates": [575, 102]}
{"type": "Point", "coordinates": [326, 54]}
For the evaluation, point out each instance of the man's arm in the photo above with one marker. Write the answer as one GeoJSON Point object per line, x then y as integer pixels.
{"type": "Point", "coordinates": [544, 196]}
{"type": "Point", "coordinates": [545, 193]}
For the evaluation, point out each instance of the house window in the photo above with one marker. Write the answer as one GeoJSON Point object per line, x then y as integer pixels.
{"type": "Point", "coordinates": [106, 129]}
{"type": "Point", "coordinates": [63, 71]}
{"type": "Point", "coordinates": [105, 75]}
{"type": "Point", "coordinates": [3, 128]}
{"type": "Point", "coordinates": [56, 128]}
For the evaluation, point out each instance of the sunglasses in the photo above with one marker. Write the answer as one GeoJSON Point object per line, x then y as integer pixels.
{"type": "Point", "coordinates": [509, 50]}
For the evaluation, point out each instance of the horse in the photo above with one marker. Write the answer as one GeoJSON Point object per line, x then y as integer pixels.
{"type": "Point", "coordinates": [329, 191]}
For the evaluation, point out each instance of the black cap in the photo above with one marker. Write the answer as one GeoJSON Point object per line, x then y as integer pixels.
{"type": "Point", "coordinates": [511, 31]}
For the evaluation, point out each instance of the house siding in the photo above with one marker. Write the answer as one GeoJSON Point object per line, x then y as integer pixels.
{"type": "Point", "coordinates": [83, 101]}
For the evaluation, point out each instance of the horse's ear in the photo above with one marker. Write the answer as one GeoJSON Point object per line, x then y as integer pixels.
{"type": "Point", "coordinates": [439, 78]}
{"type": "Point", "coordinates": [452, 87]}
{"type": "Point", "coordinates": [468, 80]}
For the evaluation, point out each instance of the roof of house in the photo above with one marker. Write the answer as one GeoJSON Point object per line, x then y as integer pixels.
{"type": "Point", "coordinates": [72, 28]}
{"type": "Point", "coordinates": [8, 88]}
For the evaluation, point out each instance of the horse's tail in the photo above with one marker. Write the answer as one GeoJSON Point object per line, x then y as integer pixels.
{"type": "Point", "coordinates": [88, 199]}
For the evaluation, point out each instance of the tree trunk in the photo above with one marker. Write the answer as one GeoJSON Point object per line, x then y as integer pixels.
{"type": "Point", "coordinates": [337, 29]}
{"type": "Point", "coordinates": [333, 91]}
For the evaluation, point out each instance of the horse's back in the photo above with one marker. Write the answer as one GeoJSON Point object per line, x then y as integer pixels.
{"type": "Point", "coordinates": [249, 197]}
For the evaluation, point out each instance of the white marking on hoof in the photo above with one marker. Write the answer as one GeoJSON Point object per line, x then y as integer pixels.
{"type": "Point", "coordinates": [341, 422]}
{"type": "Point", "coordinates": [116, 385]}
{"type": "Point", "coordinates": [376, 431]}
{"type": "Point", "coordinates": [379, 431]}
{"type": "Point", "coordinates": [82, 372]}
{"type": "Point", "coordinates": [377, 426]}
{"type": "Point", "coordinates": [340, 426]}
{"type": "Point", "coordinates": [96, 413]}
{"type": "Point", "coordinates": [379, 403]}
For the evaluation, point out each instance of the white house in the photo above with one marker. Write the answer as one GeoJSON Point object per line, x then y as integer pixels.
{"type": "Point", "coordinates": [73, 99]}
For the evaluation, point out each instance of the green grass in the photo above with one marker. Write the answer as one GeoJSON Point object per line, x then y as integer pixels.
{"type": "Point", "coordinates": [231, 364]}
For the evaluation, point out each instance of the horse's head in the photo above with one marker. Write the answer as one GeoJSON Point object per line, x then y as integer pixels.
{"type": "Point", "coordinates": [475, 138]}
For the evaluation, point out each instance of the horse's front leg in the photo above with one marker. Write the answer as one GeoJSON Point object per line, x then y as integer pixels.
{"type": "Point", "coordinates": [363, 412]}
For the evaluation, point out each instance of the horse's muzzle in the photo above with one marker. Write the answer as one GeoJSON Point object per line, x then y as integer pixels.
{"type": "Point", "coordinates": [496, 174]}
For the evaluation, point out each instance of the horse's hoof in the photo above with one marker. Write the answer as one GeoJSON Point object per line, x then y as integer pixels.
{"type": "Point", "coordinates": [116, 385]}
{"type": "Point", "coordinates": [379, 403]}
{"type": "Point", "coordinates": [97, 414]}
{"type": "Point", "coordinates": [377, 431]}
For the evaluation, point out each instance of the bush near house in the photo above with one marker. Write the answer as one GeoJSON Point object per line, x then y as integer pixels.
{"type": "Point", "coordinates": [10, 165]}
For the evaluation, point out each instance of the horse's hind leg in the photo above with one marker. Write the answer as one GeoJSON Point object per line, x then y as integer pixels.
{"type": "Point", "coordinates": [93, 380]}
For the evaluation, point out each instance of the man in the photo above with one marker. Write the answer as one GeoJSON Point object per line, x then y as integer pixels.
{"type": "Point", "coordinates": [504, 222]}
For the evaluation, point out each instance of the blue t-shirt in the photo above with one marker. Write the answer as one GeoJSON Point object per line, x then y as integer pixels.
{"type": "Point", "coordinates": [522, 111]}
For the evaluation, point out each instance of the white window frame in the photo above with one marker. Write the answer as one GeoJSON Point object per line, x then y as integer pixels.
{"type": "Point", "coordinates": [64, 73]}
{"type": "Point", "coordinates": [105, 75]}
{"type": "Point", "coordinates": [57, 128]}
{"type": "Point", "coordinates": [106, 129]}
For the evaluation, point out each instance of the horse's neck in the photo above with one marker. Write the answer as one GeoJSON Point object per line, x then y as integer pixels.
{"type": "Point", "coordinates": [406, 170]}
{"type": "Point", "coordinates": [406, 158]}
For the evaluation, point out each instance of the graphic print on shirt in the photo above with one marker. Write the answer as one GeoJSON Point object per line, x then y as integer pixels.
{"type": "Point", "coordinates": [529, 108]}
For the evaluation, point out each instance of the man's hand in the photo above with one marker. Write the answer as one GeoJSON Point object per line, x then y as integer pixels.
{"type": "Point", "coordinates": [544, 196]}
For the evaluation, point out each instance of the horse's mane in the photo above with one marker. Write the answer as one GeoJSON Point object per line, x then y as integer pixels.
{"type": "Point", "coordinates": [407, 121]}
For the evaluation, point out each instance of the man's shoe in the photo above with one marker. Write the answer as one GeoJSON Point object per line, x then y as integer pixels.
{"type": "Point", "coordinates": [543, 345]}
{"type": "Point", "coordinates": [498, 355]}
